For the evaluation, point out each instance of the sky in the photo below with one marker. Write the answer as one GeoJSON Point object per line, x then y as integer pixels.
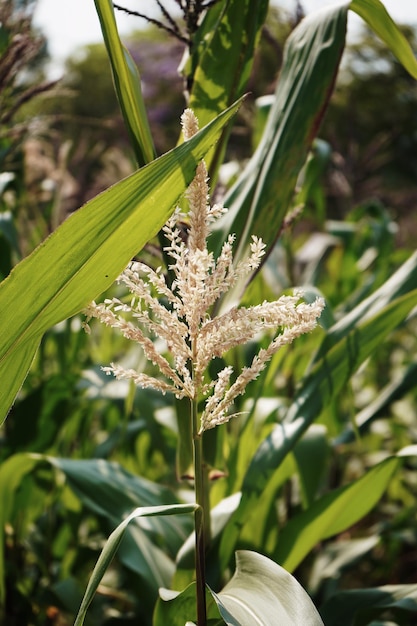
{"type": "Point", "coordinates": [71, 24]}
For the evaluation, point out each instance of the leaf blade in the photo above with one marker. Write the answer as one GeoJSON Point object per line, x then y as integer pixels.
{"type": "Point", "coordinates": [263, 593]}
{"type": "Point", "coordinates": [374, 13]}
{"type": "Point", "coordinates": [86, 253]}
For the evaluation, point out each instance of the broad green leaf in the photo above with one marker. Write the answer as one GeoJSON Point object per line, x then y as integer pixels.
{"type": "Point", "coordinates": [261, 593]}
{"type": "Point", "coordinates": [377, 17]}
{"type": "Point", "coordinates": [86, 253]}
{"type": "Point", "coordinates": [262, 195]}
{"type": "Point", "coordinates": [113, 543]}
{"type": "Point", "coordinates": [127, 85]}
{"type": "Point", "coordinates": [221, 62]}
{"type": "Point", "coordinates": [360, 606]}
{"type": "Point", "coordinates": [324, 382]}
{"type": "Point", "coordinates": [332, 514]}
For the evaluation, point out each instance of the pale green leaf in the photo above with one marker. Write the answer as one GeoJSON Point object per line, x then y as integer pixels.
{"type": "Point", "coordinates": [261, 593]}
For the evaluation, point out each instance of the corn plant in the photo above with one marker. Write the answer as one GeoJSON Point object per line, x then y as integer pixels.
{"type": "Point", "coordinates": [237, 455]}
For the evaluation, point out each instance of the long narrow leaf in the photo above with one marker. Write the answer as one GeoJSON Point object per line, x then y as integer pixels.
{"type": "Point", "coordinates": [332, 514]}
{"type": "Point", "coordinates": [400, 283]}
{"type": "Point", "coordinates": [222, 59]}
{"type": "Point", "coordinates": [263, 193]}
{"type": "Point", "coordinates": [377, 17]}
{"type": "Point", "coordinates": [87, 252]}
{"type": "Point", "coordinates": [127, 85]}
{"type": "Point", "coordinates": [113, 543]}
{"type": "Point", "coordinates": [261, 197]}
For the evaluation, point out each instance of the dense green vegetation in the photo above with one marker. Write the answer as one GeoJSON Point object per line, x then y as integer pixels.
{"type": "Point", "coordinates": [316, 477]}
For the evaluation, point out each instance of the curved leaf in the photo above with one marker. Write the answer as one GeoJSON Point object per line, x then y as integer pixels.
{"type": "Point", "coordinates": [400, 283]}
{"type": "Point", "coordinates": [110, 491]}
{"type": "Point", "coordinates": [86, 253]}
{"type": "Point", "coordinates": [113, 543]}
{"type": "Point", "coordinates": [261, 593]}
{"type": "Point", "coordinates": [377, 17]}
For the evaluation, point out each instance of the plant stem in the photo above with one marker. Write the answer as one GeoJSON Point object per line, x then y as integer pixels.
{"type": "Point", "coordinates": [200, 538]}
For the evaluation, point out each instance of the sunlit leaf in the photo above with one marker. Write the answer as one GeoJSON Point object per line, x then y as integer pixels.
{"type": "Point", "coordinates": [262, 195]}
{"type": "Point", "coordinates": [333, 513]}
{"type": "Point", "coordinates": [261, 593]}
{"type": "Point", "coordinates": [86, 253]}
{"type": "Point", "coordinates": [221, 61]}
{"type": "Point", "coordinates": [127, 85]}
{"type": "Point", "coordinates": [377, 17]}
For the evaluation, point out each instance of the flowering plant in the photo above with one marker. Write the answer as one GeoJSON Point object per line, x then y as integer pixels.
{"type": "Point", "coordinates": [191, 335]}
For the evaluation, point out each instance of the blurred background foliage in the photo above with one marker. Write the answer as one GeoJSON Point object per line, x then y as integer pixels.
{"type": "Point", "coordinates": [63, 142]}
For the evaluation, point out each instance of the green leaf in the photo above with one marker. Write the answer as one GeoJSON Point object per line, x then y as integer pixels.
{"type": "Point", "coordinates": [127, 85]}
{"type": "Point", "coordinates": [86, 253]}
{"type": "Point", "coordinates": [377, 17]}
{"type": "Point", "coordinates": [359, 606]}
{"type": "Point", "coordinates": [324, 382]}
{"type": "Point", "coordinates": [311, 454]}
{"type": "Point", "coordinates": [222, 60]}
{"type": "Point", "coordinates": [12, 472]}
{"type": "Point", "coordinates": [332, 514]}
{"type": "Point", "coordinates": [263, 593]}
{"type": "Point", "coordinates": [262, 195]}
{"type": "Point", "coordinates": [113, 543]}
{"type": "Point", "coordinates": [176, 609]}
{"type": "Point", "coordinates": [107, 490]}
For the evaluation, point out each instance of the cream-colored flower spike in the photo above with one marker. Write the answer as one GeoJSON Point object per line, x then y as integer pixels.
{"type": "Point", "coordinates": [191, 335]}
